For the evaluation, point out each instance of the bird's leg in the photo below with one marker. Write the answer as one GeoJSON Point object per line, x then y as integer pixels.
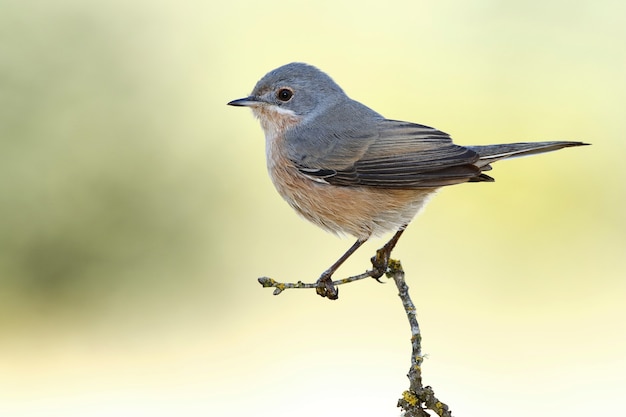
{"type": "Point", "coordinates": [325, 286]}
{"type": "Point", "coordinates": [380, 262]}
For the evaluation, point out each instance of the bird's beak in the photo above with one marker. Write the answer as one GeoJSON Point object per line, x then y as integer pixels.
{"type": "Point", "coordinates": [249, 101]}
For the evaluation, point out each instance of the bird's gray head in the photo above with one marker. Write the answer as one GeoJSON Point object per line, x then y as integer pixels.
{"type": "Point", "coordinates": [295, 89]}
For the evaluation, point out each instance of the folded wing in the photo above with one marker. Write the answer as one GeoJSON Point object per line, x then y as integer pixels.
{"type": "Point", "coordinates": [401, 155]}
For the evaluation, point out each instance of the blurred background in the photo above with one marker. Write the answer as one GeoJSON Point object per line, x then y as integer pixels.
{"type": "Point", "coordinates": [136, 212]}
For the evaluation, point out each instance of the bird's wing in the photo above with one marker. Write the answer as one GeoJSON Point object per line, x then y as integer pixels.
{"type": "Point", "coordinates": [393, 154]}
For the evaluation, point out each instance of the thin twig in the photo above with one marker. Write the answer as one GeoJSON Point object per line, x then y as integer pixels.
{"type": "Point", "coordinates": [281, 286]}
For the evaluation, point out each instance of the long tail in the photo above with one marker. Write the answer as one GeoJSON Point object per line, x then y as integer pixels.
{"type": "Point", "coordinates": [492, 153]}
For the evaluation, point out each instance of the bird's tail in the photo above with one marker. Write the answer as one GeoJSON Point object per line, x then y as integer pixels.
{"type": "Point", "coordinates": [492, 153]}
{"type": "Point", "coordinates": [489, 154]}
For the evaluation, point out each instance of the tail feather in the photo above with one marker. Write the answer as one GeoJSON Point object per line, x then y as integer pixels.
{"type": "Point", "coordinates": [492, 153]}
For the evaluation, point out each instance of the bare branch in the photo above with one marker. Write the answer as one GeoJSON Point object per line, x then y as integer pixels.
{"type": "Point", "coordinates": [417, 399]}
{"type": "Point", "coordinates": [281, 286]}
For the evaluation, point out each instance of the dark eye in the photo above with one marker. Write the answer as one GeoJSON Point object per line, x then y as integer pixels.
{"type": "Point", "coordinates": [284, 94]}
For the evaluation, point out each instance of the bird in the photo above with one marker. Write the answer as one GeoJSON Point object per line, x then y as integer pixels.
{"type": "Point", "coordinates": [351, 171]}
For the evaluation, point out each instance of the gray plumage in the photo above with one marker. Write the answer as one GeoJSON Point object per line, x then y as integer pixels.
{"type": "Point", "coordinates": [368, 150]}
{"type": "Point", "coordinates": [349, 170]}
{"type": "Point", "coordinates": [342, 142]}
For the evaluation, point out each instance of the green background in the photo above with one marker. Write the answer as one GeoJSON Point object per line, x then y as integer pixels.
{"type": "Point", "coordinates": [136, 212]}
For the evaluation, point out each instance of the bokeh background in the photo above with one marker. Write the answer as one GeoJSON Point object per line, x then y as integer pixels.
{"type": "Point", "coordinates": [136, 213]}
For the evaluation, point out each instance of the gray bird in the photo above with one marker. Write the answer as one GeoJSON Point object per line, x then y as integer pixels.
{"type": "Point", "coordinates": [349, 170]}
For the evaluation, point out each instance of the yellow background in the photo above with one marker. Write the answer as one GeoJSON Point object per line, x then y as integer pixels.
{"type": "Point", "coordinates": [136, 213]}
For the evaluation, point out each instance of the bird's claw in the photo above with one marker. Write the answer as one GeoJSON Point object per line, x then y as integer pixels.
{"type": "Point", "coordinates": [380, 263]}
{"type": "Point", "coordinates": [325, 288]}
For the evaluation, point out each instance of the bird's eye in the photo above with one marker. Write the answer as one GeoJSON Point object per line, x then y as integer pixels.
{"type": "Point", "coordinates": [284, 94]}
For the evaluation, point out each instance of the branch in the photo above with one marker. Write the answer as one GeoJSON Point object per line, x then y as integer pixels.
{"type": "Point", "coordinates": [282, 286]}
{"type": "Point", "coordinates": [417, 399]}
{"type": "Point", "coordinates": [326, 287]}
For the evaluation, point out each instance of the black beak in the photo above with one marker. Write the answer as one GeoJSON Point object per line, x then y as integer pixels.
{"type": "Point", "coordinates": [244, 102]}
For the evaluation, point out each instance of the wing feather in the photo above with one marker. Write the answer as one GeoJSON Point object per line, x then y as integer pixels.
{"type": "Point", "coordinates": [395, 154]}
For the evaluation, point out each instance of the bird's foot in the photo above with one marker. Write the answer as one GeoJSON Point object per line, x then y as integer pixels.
{"type": "Point", "coordinates": [325, 287]}
{"type": "Point", "coordinates": [380, 263]}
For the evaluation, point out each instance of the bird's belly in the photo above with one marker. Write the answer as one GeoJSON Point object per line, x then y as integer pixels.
{"type": "Point", "coordinates": [358, 211]}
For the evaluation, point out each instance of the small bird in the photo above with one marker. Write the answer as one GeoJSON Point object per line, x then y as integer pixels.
{"type": "Point", "coordinates": [349, 170]}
